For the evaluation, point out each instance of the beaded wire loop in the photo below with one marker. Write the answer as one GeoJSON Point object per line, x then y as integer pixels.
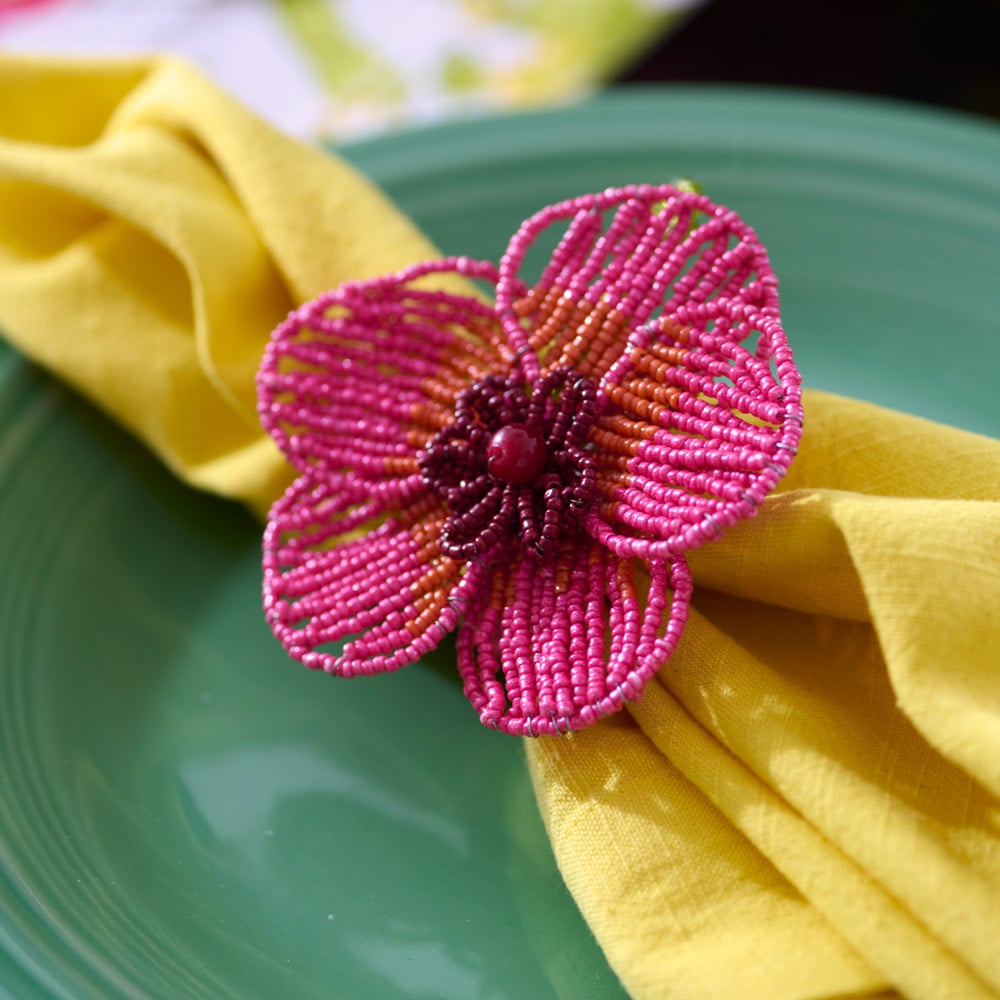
{"type": "Point", "coordinates": [531, 472]}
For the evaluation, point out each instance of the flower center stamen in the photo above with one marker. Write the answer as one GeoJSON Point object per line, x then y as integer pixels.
{"type": "Point", "coordinates": [514, 464]}
{"type": "Point", "coordinates": [516, 454]}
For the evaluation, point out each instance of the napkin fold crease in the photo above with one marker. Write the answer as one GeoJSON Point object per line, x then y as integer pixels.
{"type": "Point", "coordinates": [176, 229]}
{"type": "Point", "coordinates": [806, 802]}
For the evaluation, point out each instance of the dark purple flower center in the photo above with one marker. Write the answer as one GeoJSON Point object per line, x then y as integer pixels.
{"type": "Point", "coordinates": [514, 463]}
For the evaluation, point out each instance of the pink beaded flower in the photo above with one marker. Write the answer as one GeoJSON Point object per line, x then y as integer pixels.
{"type": "Point", "coordinates": [532, 471]}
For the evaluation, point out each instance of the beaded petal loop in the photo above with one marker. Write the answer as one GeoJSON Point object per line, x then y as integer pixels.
{"type": "Point", "coordinates": [530, 473]}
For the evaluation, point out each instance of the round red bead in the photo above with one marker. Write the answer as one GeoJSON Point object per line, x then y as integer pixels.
{"type": "Point", "coordinates": [516, 454]}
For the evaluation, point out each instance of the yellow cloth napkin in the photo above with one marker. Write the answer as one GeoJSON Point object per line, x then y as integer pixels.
{"type": "Point", "coordinates": [806, 803]}
{"type": "Point", "coordinates": [807, 800]}
{"type": "Point", "coordinates": [152, 233]}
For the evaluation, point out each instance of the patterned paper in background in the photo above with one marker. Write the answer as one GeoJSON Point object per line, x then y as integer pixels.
{"type": "Point", "coordinates": [340, 69]}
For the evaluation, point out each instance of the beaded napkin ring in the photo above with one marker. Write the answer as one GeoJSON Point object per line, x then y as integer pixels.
{"type": "Point", "coordinates": [528, 472]}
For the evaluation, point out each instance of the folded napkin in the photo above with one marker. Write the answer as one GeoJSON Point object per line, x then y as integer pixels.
{"type": "Point", "coordinates": [152, 233]}
{"type": "Point", "coordinates": [806, 802]}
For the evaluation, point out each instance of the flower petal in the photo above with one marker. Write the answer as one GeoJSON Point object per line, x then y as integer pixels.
{"type": "Point", "coordinates": [697, 428]}
{"type": "Point", "coordinates": [354, 578]}
{"type": "Point", "coordinates": [622, 258]}
{"type": "Point", "coordinates": [611, 270]}
{"type": "Point", "coordinates": [669, 302]}
{"type": "Point", "coordinates": [359, 379]}
{"type": "Point", "coordinates": [552, 646]}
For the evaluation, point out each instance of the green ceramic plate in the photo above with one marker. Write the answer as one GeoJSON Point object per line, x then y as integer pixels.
{"type": "Point", "coordinates": [185, 814]}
